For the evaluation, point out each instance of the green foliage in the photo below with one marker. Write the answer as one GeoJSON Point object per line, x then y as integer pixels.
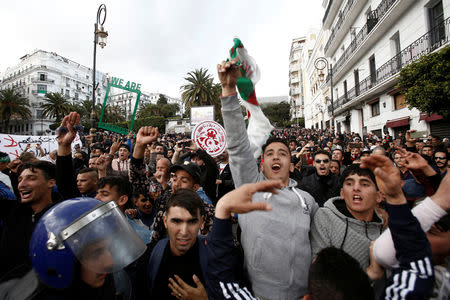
{"type": "Point", "coordinates": [277, 113]}
{"type": "Point", "coordinates": [426, 83]}
{"type": "Point", "coordinates": [200, 89]}
{"type": "Point", "coordinates": [155, 121]}
{"type": "Point", "coordinates": [165, 110]}
{"type": "Point", "coordinates": [55, 106]}
{"type": "Point", "coordinates": [162, 100]}
{"type": "Point", "coordinates": [13, 105]}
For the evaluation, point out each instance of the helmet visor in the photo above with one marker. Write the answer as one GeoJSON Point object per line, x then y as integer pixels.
{"type": "Point", "coordinates": [103, 240]}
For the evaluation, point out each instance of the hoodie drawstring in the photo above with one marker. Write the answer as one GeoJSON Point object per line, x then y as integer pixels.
{"type": "Point", "coordinates": [345, 234]}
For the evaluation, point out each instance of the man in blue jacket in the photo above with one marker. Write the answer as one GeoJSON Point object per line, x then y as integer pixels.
{"type": "Point", "coordinates": [190, 266]}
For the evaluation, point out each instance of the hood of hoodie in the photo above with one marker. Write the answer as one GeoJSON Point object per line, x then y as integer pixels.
{"type": "Point", "coordinates": [338, 207]}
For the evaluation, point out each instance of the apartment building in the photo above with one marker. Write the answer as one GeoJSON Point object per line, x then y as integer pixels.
{"type": "Point", "coordinates": [368, 42]}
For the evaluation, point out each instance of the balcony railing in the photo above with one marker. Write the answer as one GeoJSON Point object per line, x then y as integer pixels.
{"type": "Point", "coordinates": [342, 15]}
{"type": "Point", "coordinates": [372, 19]}
{"type": "Point", "coordinates": [427, 43]}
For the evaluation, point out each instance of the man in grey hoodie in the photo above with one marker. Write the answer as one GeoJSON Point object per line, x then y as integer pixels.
{"type": "Point", "coordinates": [350, 222]}
{"type": "Point", "coordinates": [276, 244]}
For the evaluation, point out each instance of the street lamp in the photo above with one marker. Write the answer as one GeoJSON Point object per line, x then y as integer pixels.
{"type": "Point", "coordinates": [321, 63]}
{"type": "Point", "coordinates": [100, 36]}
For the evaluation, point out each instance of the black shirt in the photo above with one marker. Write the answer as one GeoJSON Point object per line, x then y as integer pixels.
{"type": "Point", "coordinates": [184, 266]}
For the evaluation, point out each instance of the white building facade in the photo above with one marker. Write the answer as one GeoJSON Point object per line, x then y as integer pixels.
{"type": "Point", "coordinates": [368, 42]}
{"type": "Point", "coordinates": [296, 87]}
{"type": "Point", "coordinates": [44, 72]}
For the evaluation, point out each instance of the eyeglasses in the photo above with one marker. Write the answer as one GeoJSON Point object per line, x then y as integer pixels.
{"type": "Point", "coordinates": [325, 161]}
{"type": "Point", "coordinates": [439, 157]}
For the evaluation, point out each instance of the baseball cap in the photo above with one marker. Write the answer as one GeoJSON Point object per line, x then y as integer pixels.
{"type": "Point", "coordinates": [191, 168]}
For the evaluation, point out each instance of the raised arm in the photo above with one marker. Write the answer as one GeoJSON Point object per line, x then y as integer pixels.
{"type": "Point", "coordinates": [414, 278]}
{"type": "Point", "coordinates": [65, 176]}
{"type": "Point", "coordinates": [242, 164]}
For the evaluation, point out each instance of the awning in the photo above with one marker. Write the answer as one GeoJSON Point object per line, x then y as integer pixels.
{"type": "Point", "coordinates": [397, 122]}
{"type": "Point", "coordinates": [433, 117]}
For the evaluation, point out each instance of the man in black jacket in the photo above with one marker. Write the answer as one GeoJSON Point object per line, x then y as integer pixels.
{"type": "Point", "coordinates": [225, 182]}
{"type": "Point", "coordinates": [36, 181]}
{"type": "Point", "coordinates": [322, 184]}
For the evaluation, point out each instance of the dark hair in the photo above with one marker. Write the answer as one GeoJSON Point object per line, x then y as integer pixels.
{"type": "Point", "coordinates": [338, 162]}
{"type": "Point", "coordinates": [322, 152]}
{"type": "Point", "coordinates": [427, 146]}
{"type": "Point", "coordinates": [137, 191]}
{"type": "Point", "coordinates": [98, 146]}
{"type": "Point", "coordinates": [356, 169]}
{"type": "Point", "coordinates": [47, 168]}
{"type": "Point", "coordinates": [187, 199]}
{"type": "Point", "coordinates": [27, 157]}
{"type": "Point", "coordinates": [273, 139]}
{"type": "Point", "coordinates": [124, 146]}
{"type": "Point", "coordinates": [123, 186]}
{"type": "Point", "coordinates": [334, 274]}
{"type": "Point", "coordinates": [442, 150]}
{"type": "Point", "coordinates": [88, 170]}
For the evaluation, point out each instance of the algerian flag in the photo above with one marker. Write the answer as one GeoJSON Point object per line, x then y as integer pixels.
{"type": "Point", "coordinates": [259, 127]}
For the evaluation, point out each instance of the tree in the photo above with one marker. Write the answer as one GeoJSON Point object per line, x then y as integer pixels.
{"type": "Point", "coordinates": [426, 83]}
{"type": "Point", "coordinates": [13, 105]}
{"type": "Point", "coordinates": [277, 113]}
{"type": "Point", "coordinates": [56, 106]}
{"type": "Point", "coordinates": [200, 89]}
{"type": "Point", "coordinates": [162, 100]}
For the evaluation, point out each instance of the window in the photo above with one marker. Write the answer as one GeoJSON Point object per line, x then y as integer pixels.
{"type": "Point", "coordinates": [67, 93]}
{"type": "Point", "coordinates": [42, 89]}
{"type": "Point", "coordinates": [373, 70]}
{"type": "Point", "coordinates": [356, 76]}
{"type": "Point", "coordinates": [375, 107]}
{"type": "Point", "coordinates": [76, 96]}
{"type": "Point", "coordinates": [345, 89]}
{"type": "Point", "coordinates": [399, 101]}
{"type": "Point", "coordinates": [42, 77]}
{"type": "Point", "coordinates": [436, 19]}
{"type": "Point", "coordinates": [377, 132]}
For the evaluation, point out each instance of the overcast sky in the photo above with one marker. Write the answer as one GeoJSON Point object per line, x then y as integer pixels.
{"type": "Point", "coordinates": [157, 42]}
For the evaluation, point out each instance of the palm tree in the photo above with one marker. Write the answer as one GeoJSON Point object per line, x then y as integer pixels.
{"type": "Point", "coordinates": [114, 114]}
{"type": "Point", "coordinates": [13, 105]}
{"type": "Point", "coordinates": [56, 106]}
{"type": "Point", "coordinates": [200, 89]}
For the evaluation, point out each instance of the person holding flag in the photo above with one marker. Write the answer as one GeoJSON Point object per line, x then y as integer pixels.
{"type": "Point", "coordinates": [276, 245]}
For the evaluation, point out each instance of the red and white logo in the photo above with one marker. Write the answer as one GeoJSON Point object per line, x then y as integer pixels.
{"type": "Point", "coordinates": [211, 137]}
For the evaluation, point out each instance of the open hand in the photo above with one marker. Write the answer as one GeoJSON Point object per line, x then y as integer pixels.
{"type": "Point", "coordinates": [387, 177]}
{"type": "Point", "coordinates": [240, 200]}
{"type": "Point", "coordinates": [182, 290]}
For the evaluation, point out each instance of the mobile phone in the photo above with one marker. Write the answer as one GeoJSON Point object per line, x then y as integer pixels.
{"type": "Point", "coordinates": [418, 134]}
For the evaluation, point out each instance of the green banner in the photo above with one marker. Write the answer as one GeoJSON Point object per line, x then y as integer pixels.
{"type": "Point", "coordinates": [115, 93]}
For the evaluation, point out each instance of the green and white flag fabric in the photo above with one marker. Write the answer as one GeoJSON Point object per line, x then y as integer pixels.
{"type": "Point", "coordinates": [259, 127]}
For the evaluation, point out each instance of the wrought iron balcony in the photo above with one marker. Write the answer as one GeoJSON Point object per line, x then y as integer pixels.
{"type": "Point", "coordinates": [342, 15]}
{"type": "Point", "coordinates": [424, 45]}
{"type": "Point", "coordinates": [372, 19]}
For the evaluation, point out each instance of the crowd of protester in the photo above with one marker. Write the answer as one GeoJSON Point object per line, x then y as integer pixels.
{"type": "Point", "coordinates": [320, 215]}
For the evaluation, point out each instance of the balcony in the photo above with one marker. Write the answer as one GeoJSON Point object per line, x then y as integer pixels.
{"type": "Point", "coordinates": [430, 41]}
{"type": "Point", "coordinates": [344, 16]}
{"type": "Point", "coordinates": [295, 79]}
{"type": "Point", "coordinates": [373, 19]}
{"type": "Point", "coordinates": [294, 92]}
{"type": "Point", "coordinates": [294, 67]}
{"type": "Point", "coordinates": [38, 79]}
